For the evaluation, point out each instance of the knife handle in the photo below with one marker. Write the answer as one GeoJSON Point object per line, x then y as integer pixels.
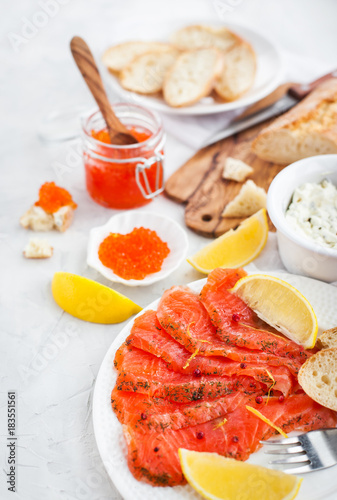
{"type": "Point", "coordinates": [301, 90]}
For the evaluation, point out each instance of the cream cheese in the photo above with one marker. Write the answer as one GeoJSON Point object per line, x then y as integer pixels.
{"type": "Point", "coordinates": [313, 212]}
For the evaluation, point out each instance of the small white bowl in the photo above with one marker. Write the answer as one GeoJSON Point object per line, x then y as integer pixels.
{"type": "Point", "coordinates": [167, 229]}
{"type": "Point", "coordinates": [301, 255]}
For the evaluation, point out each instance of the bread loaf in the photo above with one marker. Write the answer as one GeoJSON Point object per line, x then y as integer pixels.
{"type": "Point", "coordinates": [308, 129]}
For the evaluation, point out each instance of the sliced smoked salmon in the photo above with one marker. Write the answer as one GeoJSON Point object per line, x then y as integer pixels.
{"type": "Point", "coordinates": [187, 372]}
{"type": "Point", "coordinates": [147, 414]}
{"type": "Point", "coordinates": [148, 335]}
{"type": "Point", "coordinates": [146, 374]}
{"type": "Point", "coordinates": [237, 324]}
{"type": "Point", "coordinates": [155, 459]}
{"type": "Point", "coordinates": [183, 316]}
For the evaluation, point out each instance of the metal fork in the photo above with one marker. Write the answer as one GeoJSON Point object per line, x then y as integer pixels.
{"type": "Point", "coordinates": [307, 452]}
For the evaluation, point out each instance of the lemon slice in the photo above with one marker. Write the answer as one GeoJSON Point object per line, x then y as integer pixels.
{"type": "Point", "coordinates": [281, 306]}
{"type": "Point", "coordinates": [234, 248]}
{"type": "Point", "coordinates": [85, 299]}
{"type": "Point", "coordinates": [219, 478]}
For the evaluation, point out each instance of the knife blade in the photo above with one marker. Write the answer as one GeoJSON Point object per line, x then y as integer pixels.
{"type": "Point", "coordinates": [294, 94]}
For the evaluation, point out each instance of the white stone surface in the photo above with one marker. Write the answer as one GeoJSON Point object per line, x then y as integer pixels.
{"type": "Point", "coordinates": [49, 358]}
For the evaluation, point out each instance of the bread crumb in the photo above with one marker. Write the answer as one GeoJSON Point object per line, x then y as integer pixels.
{"type": "Point", "coordinates": [38, 248]}
{"type": "Point", "coordinates": [38, 219]}
{"type": "Point", "coordinates": [250, 199]}
{"type": "Point", "coordinates": [236, 170]}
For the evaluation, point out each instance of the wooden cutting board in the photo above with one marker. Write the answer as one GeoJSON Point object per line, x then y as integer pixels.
{"type": "Point", "coordinates": [199, 184]}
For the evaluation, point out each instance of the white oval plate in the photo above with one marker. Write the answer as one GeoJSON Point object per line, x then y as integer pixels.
{"type": "Point", "coordinates": [167, 229]}
{"type": "Point", "coordinates": [109, 435]}
{"type": "Point", "coordinates": [268, 75]}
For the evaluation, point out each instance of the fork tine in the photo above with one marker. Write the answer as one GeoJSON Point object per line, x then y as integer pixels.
{"type": "Point", "coordinates": [299, 470]}
{"type": "Point", "coordinates": [295, 459]}
{"type": "Point", "coordinates": [285, 451]}
{"type": "Point", "coordinates": [287, 441]}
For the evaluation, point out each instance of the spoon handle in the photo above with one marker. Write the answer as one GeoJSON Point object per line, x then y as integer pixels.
{"type": "Point", "coordinates": [85, 61]}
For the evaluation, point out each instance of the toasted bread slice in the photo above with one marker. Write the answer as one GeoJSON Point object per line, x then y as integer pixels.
{"type": "Point", "coordinates": [318, 377]}
{"type": "Point", "coordinates": [238, 72]}
{"type": "Point", "coordinates": [204, 37]}
{"type": "Point", "coordinates": [145, 73]}
{"type": "Point", "coordinates": [115, 58]}
{"type": "Point", "coordinates": [328, 339]}
{"type": "Point", "coordinates": [308, 129]}
{"type": "Point", "coordinates": [236, 170]}
{"type": "Point", "coordinates": [250, 199]}
{"type": "Point", "coordinates": [38, 249]}
{"type": "Point", "coordinates": [192, 77]}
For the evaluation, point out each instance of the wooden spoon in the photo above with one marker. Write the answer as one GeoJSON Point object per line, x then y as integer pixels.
{"type": "Point", "coordinates": [85, 61]}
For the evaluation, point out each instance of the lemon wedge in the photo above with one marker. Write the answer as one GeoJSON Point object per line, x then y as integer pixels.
{"type": "Point", "coordinates": [219, 478]}
{"type": "Point", "coordinates": [281, 306]}
{"type": "Point", "coordinates": [236, 247]}
{"type": "Point", "coordinates": [88, 300]}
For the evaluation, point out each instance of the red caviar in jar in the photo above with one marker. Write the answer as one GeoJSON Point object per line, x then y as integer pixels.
{"type": "Point", "coordinates": [111, 181]}
{"type": "Point", "coordinates": [52, 198]}
{"type": "Point", "coordinates": [134, 255]}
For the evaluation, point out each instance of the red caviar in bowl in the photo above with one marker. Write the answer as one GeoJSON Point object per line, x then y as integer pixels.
{"type": "Point", "coordinates": [52, 198]}
{"type": "Point", "coordinates": [134, 255]}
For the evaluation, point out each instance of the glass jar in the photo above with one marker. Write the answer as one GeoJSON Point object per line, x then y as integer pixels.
{"type": "Point", "coordinates": [124, 176]}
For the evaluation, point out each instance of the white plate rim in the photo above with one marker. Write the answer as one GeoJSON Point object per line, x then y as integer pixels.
{"type": "Point", "coordinates": [208, 109]}
{"type": "Point", "coordinates": [104, 449]}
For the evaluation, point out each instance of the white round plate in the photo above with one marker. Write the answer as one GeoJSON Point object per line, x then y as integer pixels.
{"type": "Point", "coordinates": [108, 431]}
{"type": "Point", "coordinates": [167, 229]}
{"type": "Point", "coordinates": [268, 75]}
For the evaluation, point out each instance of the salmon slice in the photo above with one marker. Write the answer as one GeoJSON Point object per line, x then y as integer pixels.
{"type": "Point", "coordinates": [155, 459]}
{"type": "Point", "coordinates": [237, 324]}
{"type": "Point", "coordinates": [148, 335]}
{"type": "Point", "coordinates": [146, 374]}
{"type": "Point", "coordinates": [183, 316]}
{"type": "Point", "coordinates": [146, 414]}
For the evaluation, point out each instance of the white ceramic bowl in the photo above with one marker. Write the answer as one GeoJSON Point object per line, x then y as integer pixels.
{"type": "Point", "coordinates": [299, 254]}
{"type": "Point", "coordinates": [167, 229]}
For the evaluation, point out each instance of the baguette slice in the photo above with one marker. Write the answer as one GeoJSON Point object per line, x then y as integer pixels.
{"type": "Point", "coordinates": [308, 129]}
{"type": "Point", "coordinates": [115, 58]}
{"type": "Point", "coordinates": [204, 37]}
{"type": "Point", "coordinates": [238, 72]}
{"type": "Point", "coordinates": [250, 199]}
{"type": "Point", "coordinates": [328, 339]}
{"type": "Point", "coordinates": [145, 73]}
{"type": "Point", "coordinates": [318, 377]}
{"type": "Point", "coordinates": [192, 77]}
